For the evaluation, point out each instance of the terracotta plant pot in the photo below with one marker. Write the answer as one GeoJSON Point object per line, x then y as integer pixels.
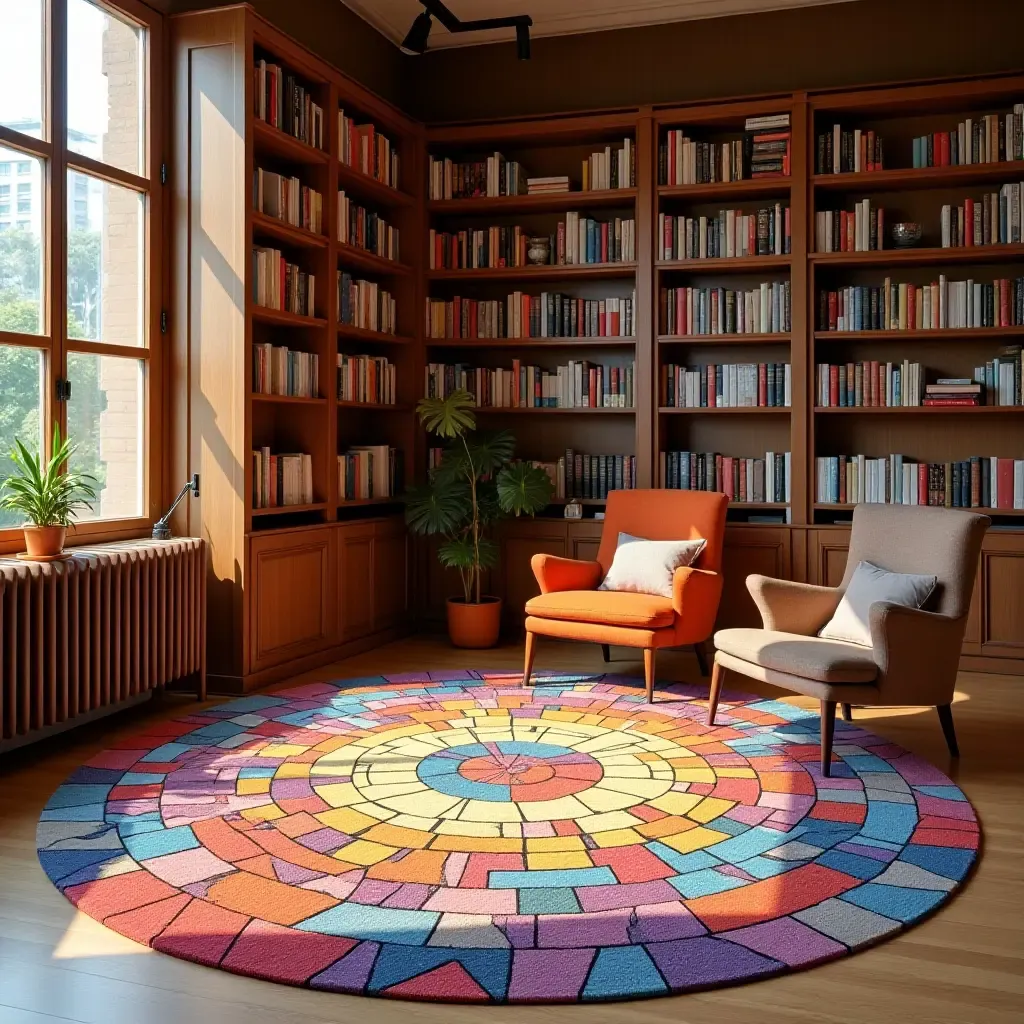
{"type": "Point", "coordinates": [474, 625]}
{"type": "Point", "coordinates": [44, 541]}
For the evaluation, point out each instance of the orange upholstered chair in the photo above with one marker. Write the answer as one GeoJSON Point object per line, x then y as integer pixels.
{"type": "Point", "coordinates": [571, 607]}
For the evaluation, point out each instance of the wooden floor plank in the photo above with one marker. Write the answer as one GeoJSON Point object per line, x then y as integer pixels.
{"type": "Point", "coordinates": [961, 966]}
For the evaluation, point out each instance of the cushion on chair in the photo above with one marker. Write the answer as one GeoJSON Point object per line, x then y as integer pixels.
{"type": "Point", "coordinates": [826, 661]}
{"type": "Point", "coordinates": [868, 585]}
{"type": "Point", "coordinates": [646, 566]}
{"type": "Point", "coordinates": [642, 611]}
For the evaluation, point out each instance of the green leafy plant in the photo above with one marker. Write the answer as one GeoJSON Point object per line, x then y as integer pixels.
{"type": "Point", "coordinates": [476, 483]}
{"type": "Point", "coordinates": [50, 494]}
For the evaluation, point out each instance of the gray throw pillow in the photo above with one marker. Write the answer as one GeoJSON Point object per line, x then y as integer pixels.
{"type": "Point", "coordinates": [868, 585]}
{"type": "Point", "coordinates": [647, 566]}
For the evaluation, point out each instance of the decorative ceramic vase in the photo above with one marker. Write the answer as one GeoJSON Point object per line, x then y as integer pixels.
{"type": "Point", "coordinates": [538, 250]}
{"type": "Point", "coordinates": [44, 541]}
{"type": "Point", "coordinates": [906, 234]}
{"type": "Point", "coordinates": [474, 626]}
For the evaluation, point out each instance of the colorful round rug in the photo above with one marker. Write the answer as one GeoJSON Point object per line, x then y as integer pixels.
{"type": "Point", "coordinates": [453, 836]}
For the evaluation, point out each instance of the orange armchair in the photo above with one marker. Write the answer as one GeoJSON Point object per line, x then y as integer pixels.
{"type": "Point", "coordinates": [570, 607]}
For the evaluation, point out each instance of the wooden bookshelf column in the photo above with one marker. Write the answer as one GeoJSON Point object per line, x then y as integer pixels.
{"type": "Point", "coordinates": [256, 348]}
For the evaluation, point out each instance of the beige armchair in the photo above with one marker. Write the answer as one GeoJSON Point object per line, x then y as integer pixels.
{"type": "Point", "coordinates": [914, 653]}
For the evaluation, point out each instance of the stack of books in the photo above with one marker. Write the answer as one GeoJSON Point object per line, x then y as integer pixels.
{"type": "Point", "coordinates": [981, 140]}
{"type": "Point", "coordinates": [768, 145]}
{"type": "Point", "coordinates": [995, 219]}
{"type": "Point", "coordinates": [1003, 377]}
{"type": "Point", "coordinates": [741, 479]}
{"type": "Point", "coordinates": [369, 472]}
{"type": "Point", "coordinates": [366, 379]}
{"type": "Point", "coordinates": [287, 199]}
{"type": "Point", "coordinates": [281, 479]}
{"type": "Point", "coordinates": [977, 482]}
{"type": "Point", "coordinates": [954, 391]}
{"type": "Point", "coordinates": [846, 152]}
{"type": "Point", "coordinates": [278, 370]}
{"type": "Point", "coordinates": [542, 186]}
{"type": "Point", "coordinates": [861, 229]}
{"type": "Point", "coordinates": [726, 386]}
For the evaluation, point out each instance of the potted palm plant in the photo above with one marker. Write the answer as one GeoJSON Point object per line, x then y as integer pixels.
{"type": "Point", "coordinates": [48, 496]}
{"type": "Point", "coordinates": [476, 483]}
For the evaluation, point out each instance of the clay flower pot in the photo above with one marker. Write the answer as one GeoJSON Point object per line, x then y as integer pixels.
{"type": "Point", "coordinates": [44, 541]}
{"type": "Point", "coordinates": [474, 625]}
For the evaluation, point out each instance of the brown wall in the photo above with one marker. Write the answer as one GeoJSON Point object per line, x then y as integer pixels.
{"type": "Point", "coordinates": [332, 32]}
{"type": "Point", "coordinates": [844, 44]}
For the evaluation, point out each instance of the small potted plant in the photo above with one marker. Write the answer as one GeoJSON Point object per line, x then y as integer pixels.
{"type": "Point", "coordinates": [47, 496]}
{"type": "Point", "coordinates": [476, 483]}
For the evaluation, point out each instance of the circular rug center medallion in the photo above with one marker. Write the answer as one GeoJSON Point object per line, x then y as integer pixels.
{"type": "Point", "coordinates": [455, 836]}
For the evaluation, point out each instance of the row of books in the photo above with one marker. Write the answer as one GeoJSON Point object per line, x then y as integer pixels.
{"type": "Point", "coordinates": [861, 229]}
{"type": "Point", "coordinates": [581, 239]}
{"type": "Point", "coordinates": [740, 479]}
{"type": "Point", "coordinates": [732, 233]}
{"type": "Point", "coordinates": [978, 482]}
{"type": "Point", "coordinates": [365, 149]}
{"type": "Point", "coordinates": [491, 177]}
{"type": "Point", "coordinates": [548, 315]}
{"type": "Point", "coordinates": [366, 304]}
{"type": "Point", "coordinates": [726, 386]}
{"type": "Point", "coordinates": [761, 310]}
{"type": "Point", "coordinates": [279, 370]}
{"type": "Point", "coordinates": [369, 472]}
{"type": "Point", "coordinates": [842, 151]}
{"type": "Point", "coordinates": [869, 384]}
{"type": "Point", "coordinates": [278, 284]}
{"type": "Point", "coordinates": [284, 102]}
{"type": "Point", "coordinates": [577, 385]}
{"type": "Point", "coordinates": [365, 229]}
{"type": "Point", "coordinates": [610, 168]}
{"type": "Point", "coordinates": [364, 378]}
{"type": "Point", "coordinates": [1002, 378]}
{"type": "Point", "coordinates": [988, 139]}
{"type": "Point", "coordinates": [578, 475]}
{"type": "Point", "coordinates": [477, 248]}
{"type": "Point", "coordinates": [685, 161]}
{"type": "Point", "coordinates": [941, 305]}
{"type": "Point", "coordinates": [284, 479]}
{"type": "Point", "coordinates": [288, 200]}
{"type": "Point", "coordinates": [995, 220]}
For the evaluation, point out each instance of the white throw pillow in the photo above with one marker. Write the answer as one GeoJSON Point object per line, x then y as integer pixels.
{"type": "Point", "coordinates": [868, 585]}
{"type": "Point", "coordinates": [647, 566]}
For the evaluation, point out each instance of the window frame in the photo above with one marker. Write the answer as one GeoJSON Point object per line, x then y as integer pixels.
{"type": "Point", "coordinates": [57, 162]}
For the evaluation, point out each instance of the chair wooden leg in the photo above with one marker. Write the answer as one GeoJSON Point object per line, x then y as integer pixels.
{"type": "Point", "coordinates": [528, 666]}
{"type": "Point", "coordinates": [946, 720]}
{"type": "Point", "coordinates": [702, 658]}
{"type": "Point", "coordinates": [649, 654]}
{"type": "Point", "coordinates": [717, 678]}
{"type": "Point", "coordinates": [828, 727]}
{"type": "Point", "coordinates": [606, 652]}
{"type": "Point", "coordinates": [847, 712]}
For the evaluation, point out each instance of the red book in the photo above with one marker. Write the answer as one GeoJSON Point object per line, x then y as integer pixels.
{"type": "Point", "coordinates": [712, 386]}
{"type": "Point", "coordinates": [723, 476]}
{"type": "Point", "coordinates": [922, 483]}
{"type": "Point", "coordinates": [964, 400]}
{"type": "Point", "coordinates": [870, 163]}
{"type": "Point", "coordinates": [1004, 483]}
{"type": "Point", "coordinates": [740, 482]}
{"type": "Point", "coordinates": [667, 239]}
{"type": "Point", "coordinates": [968, 222]}
{"type": "Point", "coordinates": [842, 483]}
{"type": "Point", "coordinates": [592, 389]}
{"type": "Point", "coordinates": [944, 148]}
{"type": "Point", "coordinates": [1004, 302]}
{"type": "Point", "coordinates": [833, 310]}
{"type": "Point", "coordinates": [762, 384]}
{"type": "Point", "coordinates": [911, 308]}
{"type": "Point", "coordinates": [833, 385]}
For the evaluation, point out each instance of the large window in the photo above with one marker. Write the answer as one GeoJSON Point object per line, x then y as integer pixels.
{"type": "Point", "coordinates": [79, 247]}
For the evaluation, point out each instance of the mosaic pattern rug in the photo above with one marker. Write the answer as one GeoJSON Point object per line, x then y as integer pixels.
{"type": "Point", "coordinates": [453, 836]}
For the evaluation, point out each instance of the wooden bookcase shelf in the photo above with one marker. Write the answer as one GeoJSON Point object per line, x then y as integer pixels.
{"type": "Point", "coordinates": [548, 202]}
{"type": "Point", "coordinates": [349, 332]}
{"type": "Point", "coordinates": [956, 334]}
{"type": "Point", "coordinates": [366, 187]}
{"type": "Point", "coordinates": [727, 191]}
{"type": "Point", "coordinates": [351, 257]}
{"type": "Point", "coordinates": [288, 234]}
{"type": "Point", "coordinates": [271, 141]}
{"type": "Point", "coordinates": [576, 272]}
{"type": "Point", "coordinates": [552, 343]}
{"type": "Point", "coordinates": [924, 410]}
{"type": "Point", "coordinates": [765, 410]}
{"type": "Point", "coordinates": [516, 410]}
{"type": "Point", "coordinates": [259, 396]}
{"type": "Point", "coordinates": [729, 264]}
{"type": "Point", "coordinates": [924, 257]}
{"type": "Point", "coordinates": [724, 339]}
{"type": "Point", "coordinates": [909, 178]}
{"type": "Point", "coordinates": [283, 318]}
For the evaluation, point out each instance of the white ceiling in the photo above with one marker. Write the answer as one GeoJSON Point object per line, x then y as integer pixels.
{"type": "Point", "coordinates": [557, 17]}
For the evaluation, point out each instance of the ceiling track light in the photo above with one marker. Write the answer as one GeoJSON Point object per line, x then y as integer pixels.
{"type": "Point", "coordinates": [418, 35]}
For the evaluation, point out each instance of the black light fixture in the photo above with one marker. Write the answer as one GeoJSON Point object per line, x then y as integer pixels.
{"type": "Point", "coordinates": [415, 41]}
{"type": "Point", "coordinates": [162, 527]}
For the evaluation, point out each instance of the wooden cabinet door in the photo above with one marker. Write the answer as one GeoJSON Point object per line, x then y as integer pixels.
{"type": "Point", "coordinates": [585, 539]}
{"type": "Point", "coordinates": [827, 551]}
{"type": "Point", "coordinates": [1002, 579]}
{"type": "Point", "coordinates": [355, 580]}
{"type": "Point", "coordinates": [520, 541]}
{"type": "Point", "coordinates": [750, 549]}
{"type": "Point", "coordinates": [292, 610]}
{"type": "Point", "coordinates": [390, 575]}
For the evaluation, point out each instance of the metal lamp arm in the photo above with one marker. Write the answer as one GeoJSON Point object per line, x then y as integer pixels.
{"type": "Point", "coordinates": [161, 529]}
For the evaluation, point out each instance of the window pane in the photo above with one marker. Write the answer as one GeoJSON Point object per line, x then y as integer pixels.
{"type": "Point", "coordinates": [21, 224]}
{"type": "Point", "coordinates": [105, 421]}
{"type": "Point", "coordinates": [105, 262]}
{"type": "Point", "coordinates": [105, 86]}
{"type": "Point", "coordinates": [21, 66]}
{"type": "Point", "coordinates": [21, 403]}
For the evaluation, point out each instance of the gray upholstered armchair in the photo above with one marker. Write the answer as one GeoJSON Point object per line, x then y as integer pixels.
{"type": "Point", "coordinates": [914, 653]}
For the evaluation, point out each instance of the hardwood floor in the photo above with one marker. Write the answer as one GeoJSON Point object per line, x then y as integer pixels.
{"type": "Point", "coordinates": [965, 964]}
